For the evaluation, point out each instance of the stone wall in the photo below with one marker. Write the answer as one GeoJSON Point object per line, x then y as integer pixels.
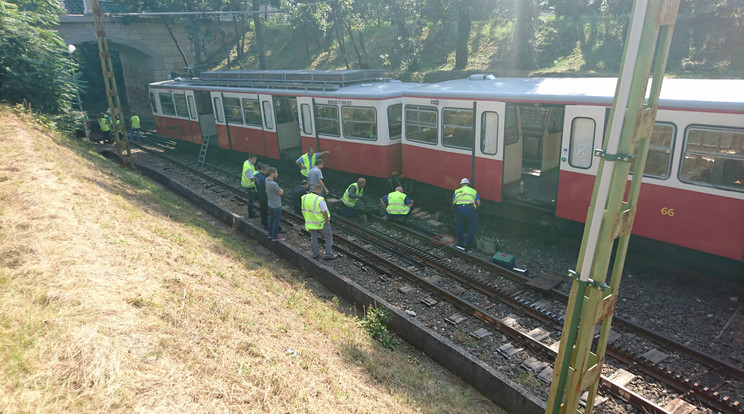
{"type": "Point", "coordinates": [146, 49]}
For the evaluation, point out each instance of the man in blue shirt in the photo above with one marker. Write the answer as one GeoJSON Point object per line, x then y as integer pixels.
{"type": "Point", "coordinates": [397, 205]}
{"type": "Point", "coordinates": [306, 161]}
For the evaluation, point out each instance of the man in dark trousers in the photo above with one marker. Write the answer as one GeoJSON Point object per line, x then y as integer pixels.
{"type": "Point", "coordinates": [274, 193]}
{"type": "Point", "coordinates": [352, 194]}
{"type": "Point", "coordinates": [465, 200]}
{"type": "Point", "coordinates": [248, 181]}
{"type": "Point", "coordinates": [263, 198]}
{"type": "Point", "coordinates": [297, 194]}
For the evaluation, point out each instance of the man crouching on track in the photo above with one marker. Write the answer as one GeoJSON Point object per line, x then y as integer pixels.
{"type": "Point", "coordinates": [397, 205]}
{"type": "Point", "coordinates": [318, 221]}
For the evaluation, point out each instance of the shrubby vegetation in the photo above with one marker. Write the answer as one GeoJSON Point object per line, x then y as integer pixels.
{"type": "Point", "coordinates": [35, 69]}
{"type": "Point", "coordinates": [502, 36]}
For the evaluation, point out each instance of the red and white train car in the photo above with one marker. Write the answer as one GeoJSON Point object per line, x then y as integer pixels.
{"type": "Point", "coordinates": [355, 114]}
{"type": "Point", "coordinates": [530, 141]}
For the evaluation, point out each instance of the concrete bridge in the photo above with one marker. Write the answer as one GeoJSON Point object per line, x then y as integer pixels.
{"type": "Point", "coordinates": [146, 48]}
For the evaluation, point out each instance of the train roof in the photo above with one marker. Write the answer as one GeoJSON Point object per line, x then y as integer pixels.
{"type": "Point", "coordinates": [371, 90]}
{"type": "Point", "coordinates": [714, 94]}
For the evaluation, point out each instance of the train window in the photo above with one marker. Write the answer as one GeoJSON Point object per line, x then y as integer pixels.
{"type": "Point", "coordinates": [489, 133]}
{"type": "Point", "coordinates": [360, 122]}
{"type": "Point", "coordinates": [218, 109]}
{"type": "Point", "coordinates": [252, 112]}
{"type": "Point", "coordinates": [285, 109]}
{"type": "Point", "coordinates": [153, 103]}
{"type": "Point", "coordinates": [659, 160]}
{"type": "Point", "coordinates": [233, 112]}
{"type": "Point", "coordinates": [181, 109]}
{"type": "Point", "coordinates": [714, 157]}
{"type": "Point", "coordinates": [268, 117]}
{"type": "Point", "coordinates": [326, 120]}
{"type": "Point", "coordinates": [192, 107]}
{"type": "Point", "coordinates": [395, 121]}
{"type": "Point", "coordinates": [511, 129]}
{"type": "Point", "coordinates": [307, 124]}
{"type": "Point", "coordinates": [421, 124]}
{"type": "Point", "coordinates": [166, 103]}
{"type": "Point", "coordinates": [582, 142]}
{"type": "Point", "coordinates": [457, 128]}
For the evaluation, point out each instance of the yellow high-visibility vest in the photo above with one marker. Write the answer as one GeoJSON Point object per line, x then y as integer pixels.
{"type": "Point", "coordinates": [245, 181]}
{"type": "Point", "coordinates": [105, 123]}
{"type": "Point", "coordinates": [307, 163]}
{"type": "Point", "coordinates": [465, 195]}
{"type": "Point", "coordinates": [135, 121]}
{"type": "Point", "coordinates": [397, 203]}
{"type": "Point", "coordinates": [314, 219]}
{"type": "Point", "coordinates": [351, 202]}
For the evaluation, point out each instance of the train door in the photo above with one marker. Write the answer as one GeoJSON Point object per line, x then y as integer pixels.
{"type": "Point", "coordinates": [200, 108]}
{"type": "Point", "coordinates": [269, 126]}
{"type": "Point", "coordinates": [489, 119]}
{"type": "Point", "coordinates": [583, 132]}
{"type": "Point", "coordinates": [532, 145]}
{"type": "Point", "coordinates": [287, 127]}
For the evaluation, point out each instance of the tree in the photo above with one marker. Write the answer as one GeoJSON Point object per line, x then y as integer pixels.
{"type": "Point", "coordinates": [524, 31]}
{"type": "Point", "coordinates": [307, 19]}
{"type": "Point", "coordinates": [34, 63]}
{"type": "Point", "coordinates": [463, 34]}
{"type": "Point", "coordinates": [259, 36]}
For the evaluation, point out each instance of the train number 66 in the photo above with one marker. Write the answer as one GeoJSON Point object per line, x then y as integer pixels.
{"type": "Point", "coordinates": [667, 211]}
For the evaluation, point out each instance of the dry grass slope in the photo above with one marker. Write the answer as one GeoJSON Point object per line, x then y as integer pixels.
{"type": "Point", "coordinates": [116, 296]}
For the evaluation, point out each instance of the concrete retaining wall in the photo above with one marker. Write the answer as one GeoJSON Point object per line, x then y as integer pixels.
{"type": "Point", "coordinates": [494, 385]}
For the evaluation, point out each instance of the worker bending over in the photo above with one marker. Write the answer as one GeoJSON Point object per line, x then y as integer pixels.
{"type": "Point", "coordinates": [465, 200]}
{"type": "Point", "coordinates": [352, 194]}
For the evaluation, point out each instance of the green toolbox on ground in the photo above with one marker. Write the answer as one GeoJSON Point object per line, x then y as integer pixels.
{"type": "Point", "coordinates": [504, 260]}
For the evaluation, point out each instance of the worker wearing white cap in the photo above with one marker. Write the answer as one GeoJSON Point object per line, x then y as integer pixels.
{"type": "Point", "coordinates": [465, 201]}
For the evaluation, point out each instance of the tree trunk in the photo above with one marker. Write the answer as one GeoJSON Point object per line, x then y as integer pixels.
{"type": "Point", "coordinates": [259, 37]}
{"type": "Point", "coordinates": [341, 44]}
{"type": "Point", "coordinates": [523, 32]}
{"type": "Point", "coordinates": [463, 34]}
{"type": "Point", "coordinates": [360, 63]}
{"type": "Point", "coordinates": [178, 45]}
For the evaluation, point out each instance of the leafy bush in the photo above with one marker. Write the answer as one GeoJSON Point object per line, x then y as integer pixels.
{"type": "Point", "coordinates": [374, 323]}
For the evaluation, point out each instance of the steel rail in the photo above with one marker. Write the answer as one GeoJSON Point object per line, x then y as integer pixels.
{"type": "Point", "coordinates": [542, 349]}
{"type": "Point", "coordinates": [706, 359]}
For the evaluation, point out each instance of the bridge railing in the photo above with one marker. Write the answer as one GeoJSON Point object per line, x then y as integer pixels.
{"type": "Point", "coordinates": [78, 7]}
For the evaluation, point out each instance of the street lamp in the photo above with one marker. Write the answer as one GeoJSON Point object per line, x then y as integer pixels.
{"type": "Point", "coordinates": [71, 49]}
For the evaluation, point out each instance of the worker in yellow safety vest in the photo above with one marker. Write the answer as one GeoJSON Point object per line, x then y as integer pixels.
{"type": "Point", "coordinates": [248, 181]}
{"type": "Point", "coordinates": [352, 194]}
{"type": "Point", "coordinates": [397, 205]}
{"type": "Point", "coordinates": [307, 160]}
{"type": "Point", "coordinates": [465, 200]}
{"type": "Point", "coordinates": [318, 222]}
{"type": "Point", "coordinates": [134, 121]}
{"type": "Point", "coordinates": [105, 122]}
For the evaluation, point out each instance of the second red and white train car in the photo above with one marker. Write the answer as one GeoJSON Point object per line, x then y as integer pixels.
{"type": "Point", "coordinates": [354, 114]}
{"type": "Point", "coordinates": [531, 141]}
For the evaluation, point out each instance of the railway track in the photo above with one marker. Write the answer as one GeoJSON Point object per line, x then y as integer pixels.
{"type": "Point", "coordinates": [446, 278]}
